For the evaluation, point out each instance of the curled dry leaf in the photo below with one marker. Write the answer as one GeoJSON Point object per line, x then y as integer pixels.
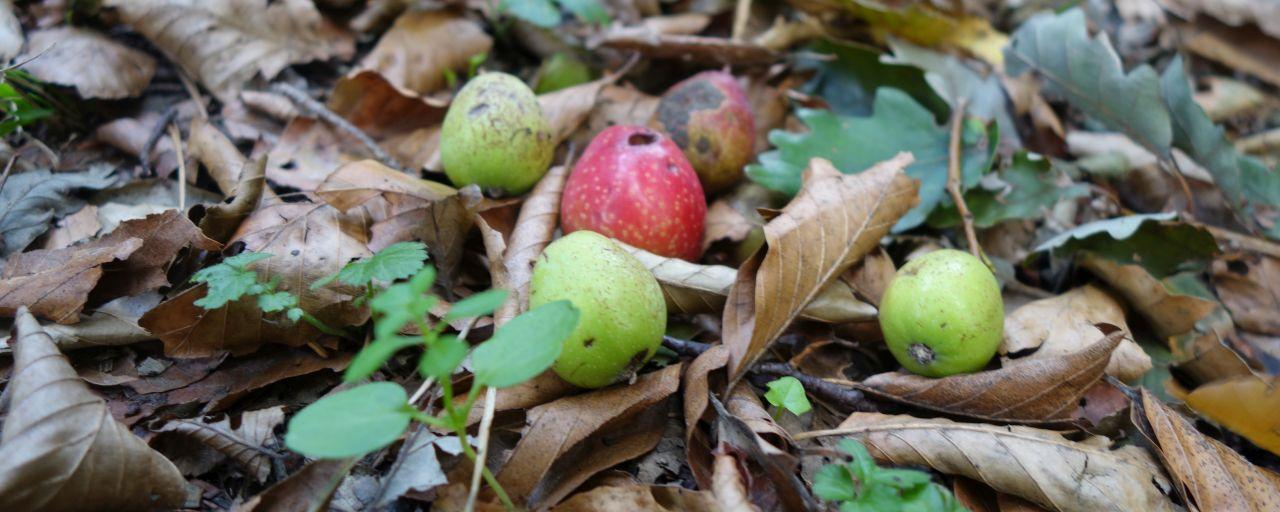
{"type": "Point", "coordinates": [55, 284]}
{"type": "Point", "coordinates": [307, 242]}
{"type": "Point", "coordinates": [697, 392]}
{"type": "Point", "coordinates": [1250, 289]}
{"type": "Point", "coordinates": [220, 221]}
{"type": "Point", "coordinates": [1247, 405]}
{"type": "Point", "coordinates": [422, 45]}
{"type": "Point", "coordinates": [30, 200]}
{"type": "Point", "coordinates": [96, 65]}
{"type": "Point", "coordinates": [616, 104]}
{"type": "Point", "coordinates": [356, 183]}
{"type": "Point", "coordinates": [61, 450]}
{"type": "Point", "coordinates": [569, 440]}
{"type": "Point", "coordinates": [566, 109]}
{"type": "Point", "coordinates": [1038, 465]}
{"type": "Point", "coordinates": [724, 222]}
{"type": "Point", "coordinates": [1064, 324]}
{"type": "Point", "coordinates": [535, 227]}
{"type": "Point", "coordinates": [729, 485]}
{"type": "Point", "coordinates": [1215, 476]}
{"type": "Point", "coordinates": [225, 43]}
{"type": "Point", "coordinates": [111, 324]}
{"type": "Point", "coordinates": [244, 443]}
{"type": "Point", "coordinates": [832, 223]}
{"type": "Point", "coordinates": [308, 490]}
{"type": "Point", "coordinates": [1169, 313]}
{"type": "Point", "coordinates": [1045, 390]}
{"type": "Point", "coordinates": [640, 498]}
{"type": "Point", "coordinates": [217, 153]}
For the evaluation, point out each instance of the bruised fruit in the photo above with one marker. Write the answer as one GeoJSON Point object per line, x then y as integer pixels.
{"type": "Point", "coordinates": [633, 184]}
{"type": "Point", "coordinates": [942, 314]}
{"type": "Point", "coordinates": [708, 116]}
{"type": "Point", "coordinates": [623, 314]}
{"type": "Point", "coordinates": [495, 135]}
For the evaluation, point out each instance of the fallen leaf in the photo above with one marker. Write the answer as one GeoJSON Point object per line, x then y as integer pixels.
{"type": "Point", "coordinates": [81, 225]}
{"type": "Point", "coordinates": [422, 46]}
{"type": "Point", "coordinates": [62, 450]}
{"type": "Point", "coordinates": [57, 289]}
{"type": "Point", "coordinates": [308, 490]}
{"type": "Point", "coordinates": [1265, 15]}
{"type": "Point", "coordinates": [1046, 390]}
{"type": "Point", "coordinates": [96, 65]}
{"type": "Point", "coordinates": [784, 489]}
{"type": "Point", "coordinates": [566, 109]}
{"type": "Point", "coordinates": [728, 485]}
{"type": "Point", "coordinates": [724, 222]}
{"type": "Point", "coordinates": [11, 39]}
{"type": "Point", "coordinates": [1245, 405]}
{"type": "Point", "coordinates": [404, 123]}
{"type": "Point", "coordinates": [545, 388]}
{"type": "Point", "coordinates": [182, 373]}
{"type": "Point", "coordinates": [924, 25]}
{"type": "Point", "coordinates": [240, 375]}
{"type": "Point", "coordinates": [1064, 324]}
{"type": "Point", "coordinates": [639, 498]}
{"type": "Point", "coordinates": [443, 225]}
{"type": "Point", "coordinates": [1249, 286]}
{"type": "Point", "coordinates": [563, 445]}
{"type": "Point", "coordinates": [840, 218]}
{"type": "Point", "coordinates": [226, 43]}
{"type": "Point", "coordinates": [1038, 465]}
{"type": "Point", "coordinates": [416, 469]}
{"type": "Point", "coordinates": [1215, 476]}
{"type": "Point", "coordinates": [220, 221]}
{"type": "Point", "coordinates": [243, 443]}
{"type": "Point", "coordinates": [698, 382]}
{"type": "Point", "coordinates": [1168, 313]}
{"type": "Point", "coordinates": [702, 49]}
{"type": "Point", "coordinates": [30, 200]}
{"type": "Point", "coordinates": [307, 242]}
{"type": "Point", "coordinates": [616, 104]}
{"type": "Point", "coordinates": [353, 184]}
{"type": "Point", "coordinates": [111, 324]}
{"type": "Point", "coordinates": [535, 228]}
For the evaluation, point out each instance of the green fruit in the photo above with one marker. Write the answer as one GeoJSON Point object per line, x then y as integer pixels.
{"type": "Point", "coordinates": [623, 314]}
{"type": "Point", "coordinates": [942, 314]}
{"type": "Point", "coordinates": [561, 71]}
{"type": "Point", "coordinates": [495, 135]}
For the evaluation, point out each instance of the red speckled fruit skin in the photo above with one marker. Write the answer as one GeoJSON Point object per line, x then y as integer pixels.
{"type": "Point", "coordinates": [635, 185]}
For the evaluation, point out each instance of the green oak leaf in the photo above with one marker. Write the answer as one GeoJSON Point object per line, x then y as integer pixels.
{"type": "Point", "coordinates": [1155, 241]}
{"type": "Point", "coordinates": [1027, 188]}
{"type": "Point", "coordinates": [849, 74]}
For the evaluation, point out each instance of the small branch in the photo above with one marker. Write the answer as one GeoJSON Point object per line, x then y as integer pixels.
{"type": "Point", "coordinates": [835, 394]}
{"type": "Point", "coordinates": [685, 347]}
{"type": "Point", "coordinates": [176, 137]}
{"type": "Point", "coordinates": [318, 110]}
{"type": "Point", "coordinates": [1242, 241]}
{"type": "Point", "coordinates": [954, 180]}
{"type": "Point", "coordinates": [741, 14]}
{"type": "Point", "coordinates": [156, 131]}
{"type": "Point", "coordinates": [486, 421]}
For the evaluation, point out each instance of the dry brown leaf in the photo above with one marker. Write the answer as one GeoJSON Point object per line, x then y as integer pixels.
{"type": "Point", "coordinates": [61, 450]}
{"type": "Point", "coordinates": [639, 498]}
{"type": "Point", "coordinates": [697, 391]}
{"type": "Point", "coordinates": [1224, 98]}
{"type": "Point", "coordinates": [58, 291]}
{"type": "Point", "coordinates": [1246, 405]}
{"type": "Point", "coordinates": [308, 490]}
{"type": "Point", "coordinates": [1169, 314]}
{"type": "Point", "coordinates": [441, 224]}
{"type": "Point", "coordinates": [1249, 286]}
{"type": "Point", "coordinates": [422, 45]}
{"type": "Point", "coordinates": [353, 184]}
{"type": "Point", "coordinates": [833, 222]}
{"type": "Point", "coordinates": [566, 109]}
{"type": "Point", "coordinates": [242, 443]}
{"type": "Point", "coordinates": [81, 225]}
{"type": "Point", "coordinates": [729, 485]}
{"type": "Point", "coordinates": [871, 277]}
{"type": "Point", "coordinates": [544, 388]}
{"type": "Point", "coordinates": [616, 104]}
{"type": "Point", "coordinates": [220, 221]}
{"type": "Point", "coordinates": [1064, 324]}
{"type": "Point", "coordinates": [1215, 476]}
{"type": "Point", "coordinates": [241, 375]}
{"type": "Point", "coordinates": [1045, 390]}
{"type": "Point", "coordinates": [1241, 48]}
{"type": "Point", "coordinates": [404, 123]}
{"type": "Point", "coordinates": [724, 222]}
{"type": "Point", "coordinates": [1039, 465]}
{"type": "Point", "coordinates": [226, 43]}
{"type": "Point", "coordinates": [113, 323]}
{"type": "Point", "coordinates": [1232, 12]}
{"type": "Point", "coordinates": [563, 446]}
{"type": "Point", "coordinates": [217, 153]}
{"type": "Point", "coordinates": [96, 65]}
{"type": "Point", "coordinates": [534, 229]}
{"type": "Point", "coordinates": [11, 38]}
{"type": "Point", "coordinates": [307, 242]}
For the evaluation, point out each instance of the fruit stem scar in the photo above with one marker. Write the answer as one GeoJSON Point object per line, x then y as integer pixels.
{"type": "Point", "coordinates": [921, 353]}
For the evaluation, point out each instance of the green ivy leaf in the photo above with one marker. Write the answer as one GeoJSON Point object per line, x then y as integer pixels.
{"type": "Point", "coordinates": [229, 280]}
{"type": "Point", "coordinates": [848, 82]}
{"type": "Point", "coordinates": [953, 80]}
{"type": "Point", "coordinates": [395, 261]}
{"type": "Point", "coordinates": [443, 357]}
{"type": "Point", "coordinates": [277, 301]}
{"type": "Point", "coordinates": [538, 12]}
{"type": "Point", "coordinates": [1028, 188]}
{"type": "Point", "coordinates": [350, 423]}
{"type": "Point", "coordinates": [854, 144]}
{"type": "Point", "coordinates": [525, 346]}
{"type": "Point", "coordinates": [788, 393]}
{"type": "Point", "coordinates": [1155, 241]}
{"type": "Point", "coordinates": [477, 305]}
{"type": "Point", "coordinates": [376, 354]}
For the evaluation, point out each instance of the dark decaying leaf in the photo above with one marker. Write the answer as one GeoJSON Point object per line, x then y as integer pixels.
{"type": "Point", "coordinates": [30, 200]}
{"type": "Point", "coordinates": [244, 443]}
{"type": "Point", "coordinates": [308, 490]}
{"type": "Point", "coordinates": [61, 450]}
{"type": "Point", "coordinates": [57, 289]}
{"type": "Point", "coordinates": [1157, 241]}
{"type": "Point", "coordinates": [834, 221]}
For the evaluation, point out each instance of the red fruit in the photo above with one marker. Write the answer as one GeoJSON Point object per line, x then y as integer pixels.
{"type": "Point", "coordinates": [709, 117]}
{"type": "Point", "coordinates": [634, 184]}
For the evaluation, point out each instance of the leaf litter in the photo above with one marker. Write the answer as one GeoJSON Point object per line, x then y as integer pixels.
{"type": "Point", "coordinates": [217, 209]}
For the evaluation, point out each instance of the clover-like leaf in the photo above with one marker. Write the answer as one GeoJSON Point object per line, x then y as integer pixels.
{"type": "Point", "coordinates": [229, 280]}
{"type": "Point", "coordinates": [396, 261]}
{"type": "Point", "coordinates": [350, 423]}
{"type": "Point", "coordinates": [525, 346]}
{"type": "Point", "coordinates": [788, 393]}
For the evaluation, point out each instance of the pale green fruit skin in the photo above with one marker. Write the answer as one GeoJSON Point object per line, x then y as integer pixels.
{"type": "Point", "coordinates": [949, 302]}
{"type": "Point", "coordinates": [623, 314]}
{"type": "Point", "coordinates": [495, 135]}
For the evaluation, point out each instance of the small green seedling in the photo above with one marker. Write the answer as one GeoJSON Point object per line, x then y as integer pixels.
{"type": "Point", "coordinates": [232, 279]}
{"type": "Point", "coordinates": [787, 393]}
{"type": "Point", "coordinates": [859, 485]}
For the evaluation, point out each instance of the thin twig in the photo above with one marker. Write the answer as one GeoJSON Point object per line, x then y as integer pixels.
{"type": "Point", "coordinates": [685, 347]}
{"type": "Point", "coordinates": [953, 178]}
{"type": "Point", "coordinates": [144, 156]}
{"type": "Point", "coordinates": [318, 110]}
{"type": "Point", "coordinates": [176, 137]}
{"type": "Point", "coordinates": [741, 14]}
{"type": "Point", "coordinates": [7, 168]}
{"type": "Point", "coordinates": [486, 421]}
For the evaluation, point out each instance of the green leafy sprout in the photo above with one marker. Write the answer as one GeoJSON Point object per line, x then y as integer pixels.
{"type": "Point", "coordinates": [370, 416]}
{"type": "Point", "coordinates": [788, 393]}
{"type": "Point", "coordinates": [859, 485]}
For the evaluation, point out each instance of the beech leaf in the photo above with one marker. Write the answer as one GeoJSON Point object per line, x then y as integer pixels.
{"type": "Point", "coordinates": [96, 65]}
{"type": "Point", "coordinates": [833, 222]}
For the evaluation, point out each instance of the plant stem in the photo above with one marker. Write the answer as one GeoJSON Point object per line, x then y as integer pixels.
{"type": "Point", "coordinates": [488, 475]}
{"type": "Point", "coordinates": [324, 328]}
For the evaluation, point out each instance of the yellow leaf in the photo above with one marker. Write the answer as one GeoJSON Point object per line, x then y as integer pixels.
{"type": "Point", "coordinates": [1249, 406]}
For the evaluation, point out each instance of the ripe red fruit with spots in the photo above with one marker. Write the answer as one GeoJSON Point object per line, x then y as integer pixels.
{"type": "Point", "coordinates": [709, 117]}
{"type": "Point", "coordinates": [634, 184]}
